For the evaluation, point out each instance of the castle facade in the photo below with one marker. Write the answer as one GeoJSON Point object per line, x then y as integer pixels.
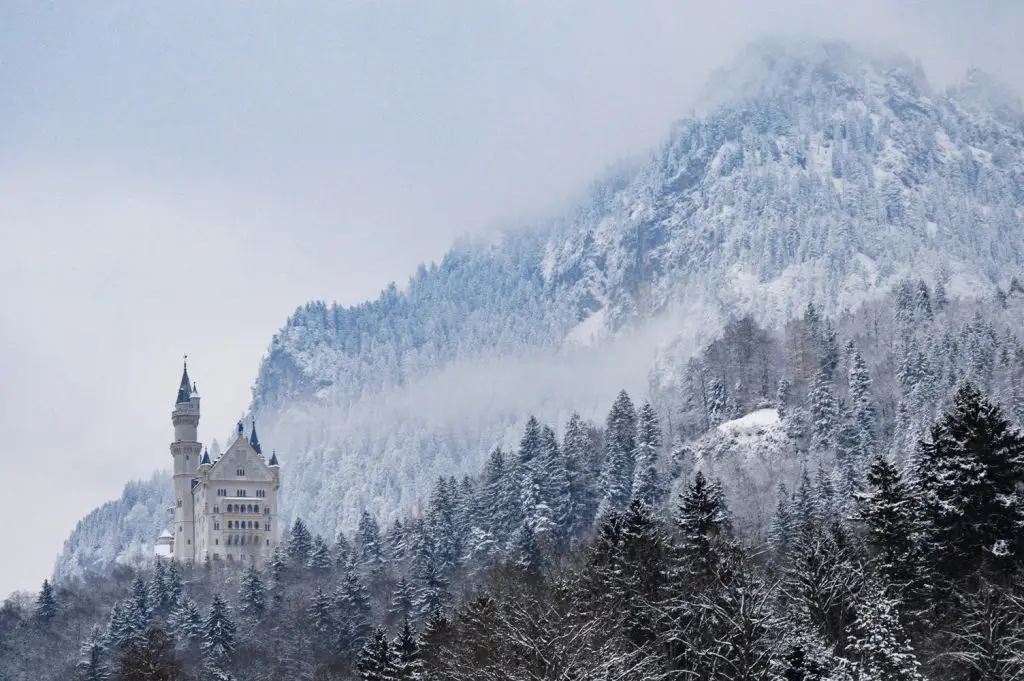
{"type": "Point", "coordinates": [224, 509]}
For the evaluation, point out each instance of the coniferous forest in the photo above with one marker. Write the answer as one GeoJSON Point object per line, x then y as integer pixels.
{"type": "Point", "coordinates": [833, 499]}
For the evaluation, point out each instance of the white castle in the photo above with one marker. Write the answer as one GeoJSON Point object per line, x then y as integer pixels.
{"type": "Point", "coordinates": [224, 509]}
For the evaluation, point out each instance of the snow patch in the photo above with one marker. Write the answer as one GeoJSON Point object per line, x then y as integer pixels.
{"type": "Point", "coordinates": [753, 423]}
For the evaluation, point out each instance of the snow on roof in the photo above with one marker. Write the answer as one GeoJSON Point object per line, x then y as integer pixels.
{"type": "Point", "coordinates": [165, 533]}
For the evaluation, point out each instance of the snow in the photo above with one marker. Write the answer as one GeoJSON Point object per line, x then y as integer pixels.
{"type": "Point", "coordinates": [753, 423]}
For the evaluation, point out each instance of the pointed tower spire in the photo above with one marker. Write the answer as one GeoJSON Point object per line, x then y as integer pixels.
{"type": "Point", "coordinates": [254, 441]}
{"type": "Point", "coordinates": [273, 458]}
{"type": "Point", "coordinates": [206, 458]}
{"type": "Point", "coordinates": [185, 387]}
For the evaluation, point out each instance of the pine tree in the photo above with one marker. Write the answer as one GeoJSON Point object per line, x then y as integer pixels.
{"type": "Point", "coordinates": [320, 556]}
{"type": "Point", "coordinates": [575, 452]}
{"type": "Point", "coordinates": [371, 552]}
{"type": "Point", "coordinates": [616, 482]}
{"type": "Point", "coordinates": [119, 626]}
{"type": "Point", "coordinates": [300, 544]}
{"type": "Point", "coordinates": [46, 603]}
{"type": "Point", "coordinates": [702, 518]}
{"type": "Point", "coordinates": [526, 552]}
{"type": "Point", "coordinates": [91, 658]}
{"type": "Point", "coordinates": [431, 592]}
{"type": "Point", "coordinates": [881, 649]}
{"type": "Point", "coordinates": [408, 665]}
{"type": "Point", "coordinates": [138, 612]}
{"type": "Point", "coordinates": [352, 603]}
{"type": "Point", "coordinates": [554, 480]}
{"type": "Point", "coordinates": [863, 408]}
{"type": "Point", "coordinates": [647, 486]}
{"type": "Point", "coordinates": [174, 586]}
{"type": "Point", "coordinates": [376, 662]}
{"type": "Point", "coordinates": [890, 513]}
{"type": "Point", "coordinates": [394, 541]}
{"type": "Point", "coordinates": [186, 622]}
{"type": "Point", "coordinates": [321, 614]}
{"type": "Point", "coordinates": [436, 633]}
{"type": "Point", "coordinates": [824, 412]}
{"type": "Point", "coordinates": [968, 474]}
{"type": "Point", "coordinates": [402, 600]}
{"type": "Point", "coordinates": [218, 642]}
{"type": "Point", "coordinates": [342, 550]}
{"type": "Point", "coordinates": [782, 531]}
{"type": "Point", "coordinates": [253, 594]}
{"type": "Point", "coordinates": [159, 597]}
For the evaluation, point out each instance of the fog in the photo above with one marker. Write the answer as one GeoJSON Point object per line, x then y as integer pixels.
{"type": "Point", "coordinates": [176, 177]}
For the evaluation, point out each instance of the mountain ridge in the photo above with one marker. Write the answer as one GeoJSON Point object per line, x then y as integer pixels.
{"type": "Point", "coordinates": [827, 176]}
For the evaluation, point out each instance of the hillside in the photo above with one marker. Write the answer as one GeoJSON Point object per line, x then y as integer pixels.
{"type": "Point", "coordinates": [813, 173]}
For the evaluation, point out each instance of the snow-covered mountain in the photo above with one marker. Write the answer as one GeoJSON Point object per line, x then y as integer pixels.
{"type": "Point", "coordinates": [813, 172]}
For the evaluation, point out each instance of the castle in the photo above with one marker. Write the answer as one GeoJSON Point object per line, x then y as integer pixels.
{"type": "Point", "coordinates": [224, 509]}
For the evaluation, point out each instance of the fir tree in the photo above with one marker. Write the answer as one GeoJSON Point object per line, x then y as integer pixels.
{"type": "Point", "coordinates": [138, 611]}
{"type": "Point", "coordinates": [186, 622]}
{"type": "Point", "coordinates": [526, 552]}
{"type": "Point", "coordinates": [863, 408]}
{"type": "Point", "coordinates": [376, 662]}
{"type": "Point", "coordinates": [782, 531]}
{"type": "Point", "coordinates": [824, 412]}
{"type": "Point", "coordinates": [159, 598]}
{"type": "Point", "coordinates": [91, 658]}
{"type": "Point", "coordinates": [218, 642]}
{"type": "Point", "coordinates": [402, 600]}
{"type": "Point", "coordinates": [342, 550]}
{"type": "Point", "coordinates": [575, 452]}
{"type": "Point", "coordinates": [253, 594]}
{"type": "Point", "coordinates": [321, 614]}
{"type": "Point", "coordinates": [174, 586]}
{"type": "Point", "coordinates": [890, 513]}
{"type": "Point", "coordinates": [881, 649]}
{"type": "Point", "coordinates": [968, 473]}
{"type": "Point", "coordinates": [554, 483]}
{"type": "Point", "coordinates": [616, 483]}
{"type": "Point", "coordinates": [702, 517]}
{"type": "Point", "coordinates": [119, 626]}
{"type": "Point", "coordinates": [300, 544]}
{"type": "Point", "coordinates": [431, 592]}
{"type": "Point", "coordinates": [46, 603]}
{"type": "Point", "coordinates": [646, 485]}
{"type": "Point", "coordinates": [352, 603]}
{"type": "Point", "coordinates": [320, 556]}
{"type": "Point", "coordinates": [408, 665]}
{"type": "Point", "coordinates": [371, 552]}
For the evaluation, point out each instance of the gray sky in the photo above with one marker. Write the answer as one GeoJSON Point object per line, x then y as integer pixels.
{"type": "Point", "coordinates": [179, 177]}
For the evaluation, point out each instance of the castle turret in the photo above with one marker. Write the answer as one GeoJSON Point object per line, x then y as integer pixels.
{"type": "Point", "coordinates": [186, 451]}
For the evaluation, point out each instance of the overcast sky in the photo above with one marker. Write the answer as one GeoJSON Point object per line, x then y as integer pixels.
{"type": "Point", "coordinates": [176, 177]}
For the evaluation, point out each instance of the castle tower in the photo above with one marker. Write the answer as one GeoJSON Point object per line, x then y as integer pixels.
{"type": "Point", "coordinates": [186, 451]}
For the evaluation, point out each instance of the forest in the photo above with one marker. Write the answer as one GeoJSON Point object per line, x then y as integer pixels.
{"type": "Point", "coordinates": [868, 525]}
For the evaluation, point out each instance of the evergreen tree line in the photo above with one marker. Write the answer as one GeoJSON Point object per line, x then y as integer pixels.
{"type": "Point", "coordinates": [607, 554]}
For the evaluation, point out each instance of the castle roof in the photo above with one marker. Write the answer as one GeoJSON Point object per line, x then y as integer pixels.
{"type": "Point", "coordinates": [254, 441]}
{"type": "Point", "coordinates": [273, 458]}
{"type": "Point", "coordinates": [185, 388]}
{"type": "Point", "coordinates": [206, 458]}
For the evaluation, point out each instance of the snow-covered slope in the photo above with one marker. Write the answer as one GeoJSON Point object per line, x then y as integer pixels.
{"type": "Point", "coordinates": [814, 172]}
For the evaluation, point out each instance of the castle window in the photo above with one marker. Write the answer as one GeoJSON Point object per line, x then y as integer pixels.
{"type": "Point", "coordinates": [249, 508]}
{"type": "Point", "coordinates": [266, 510]}
{"type": "Point", "coordinates": [268, 542]}
{"type": "Point", "coordinates": [216, 509]}
{"type": "Point", "coordinates": [217, 542]}
{"type": "Point", "coordinates": [240, 472]}
{"type": "Point", "coordinates": [216, 525]}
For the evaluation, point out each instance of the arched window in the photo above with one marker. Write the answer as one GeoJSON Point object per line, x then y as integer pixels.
{"type": "Point", "coordinates": [250, 508]}
{"type": "Point", "coordinates": [256, 508]}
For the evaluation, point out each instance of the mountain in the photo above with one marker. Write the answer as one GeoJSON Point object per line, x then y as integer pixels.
{"type": "Point", "coordinates": [812, 173]}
